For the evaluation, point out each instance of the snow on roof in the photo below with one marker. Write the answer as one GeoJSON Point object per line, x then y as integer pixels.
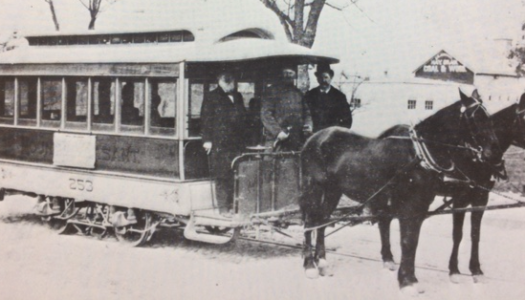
{"type": "Point", "coordinates": [208, 20]}
{"type": "Point", "coordinates": [234, 50]}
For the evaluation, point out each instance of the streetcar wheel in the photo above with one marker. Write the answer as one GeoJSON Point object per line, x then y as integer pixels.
{"type": "Point", "coordinates": [135, 234]}
{"type": "Point", "coordinates": [59, 223]}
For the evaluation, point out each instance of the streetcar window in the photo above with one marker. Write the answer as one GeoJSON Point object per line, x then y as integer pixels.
{"type": "Point", "coordinates": [103, 94]}
{"type": "Point", "coordinates": [51, 102]}
{"type": "Point", "coordinates": [163, 107]}
{"type": "Point", "coordinates": [27, 93]}
{"type": "Point", "coordinates": [76, 103]}
{"type": "Point", "coordinates": [247, 90]}
{"type": "Point", "coordinates": [132, 106]}
{"type": "Point", "coordinates": [196, 97]}
{"type": "Point", "coordinates": [7, 101]}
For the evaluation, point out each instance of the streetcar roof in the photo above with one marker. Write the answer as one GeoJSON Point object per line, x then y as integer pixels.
{"type": "Point", "coordinates": [227, 51]}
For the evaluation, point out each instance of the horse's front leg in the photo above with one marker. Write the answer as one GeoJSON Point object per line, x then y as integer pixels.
{"type": "Point", "coordinates": [457, 236]}
{"type": "Point", "coordinates": [410, 227]}
{"type": "Point", "coordinates": [320, 254]}
{"type": "Point", "coordinates": [386, 253]}
{"type": "Point", "coordinates": [310, 265]}
{"type": "Point", "coordinates": [474, 265]}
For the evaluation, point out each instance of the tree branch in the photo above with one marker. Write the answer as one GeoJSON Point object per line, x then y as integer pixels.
{"type": "Point", "coordinates": [87, 7]}
{"type": "Point", "coordinates": [273, 6]}
{"type": "Point", "coordinates": [286, 21]}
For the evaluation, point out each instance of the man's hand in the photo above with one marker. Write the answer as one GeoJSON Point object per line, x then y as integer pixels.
{"type": "Point", "coordinates": [282, 136]}
{"type": "Point", "coordinates": [207, 146]}
{"type": "Point", "coordinates": [307, 129]}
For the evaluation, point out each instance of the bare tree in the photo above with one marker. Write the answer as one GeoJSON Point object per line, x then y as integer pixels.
{"type": "Point", "coordinates": [95, 7]}
{"type": "Point", "coordinates": [299, 19]}
{"type": "Point", "coordinates": [53, 14]}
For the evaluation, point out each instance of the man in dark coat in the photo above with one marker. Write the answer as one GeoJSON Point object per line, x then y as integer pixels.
{"type": "Point", "coordinates": [327, 104]}
{"type": "Point", "coordinates": [284, 114]}
{"type": "Point", "coordinates": [223, 118]}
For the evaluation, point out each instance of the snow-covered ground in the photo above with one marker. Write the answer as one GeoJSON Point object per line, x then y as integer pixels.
{"type": "Point", "coordinates": [36, 263]}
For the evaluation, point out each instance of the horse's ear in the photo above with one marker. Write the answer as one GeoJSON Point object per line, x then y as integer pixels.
{"type": "Point", "coordinates": [521, 103]}
{"type": "Point", "coordinates": [465, 100]}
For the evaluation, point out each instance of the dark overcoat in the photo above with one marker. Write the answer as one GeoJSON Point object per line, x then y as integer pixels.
{"type": "Point", "coordinates": [223, 124]}
{"type": "Point", "coordinates": [328, 109]}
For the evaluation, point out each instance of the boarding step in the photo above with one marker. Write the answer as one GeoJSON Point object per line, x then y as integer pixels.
{"type": "Point", "coordinates": [193, 231]}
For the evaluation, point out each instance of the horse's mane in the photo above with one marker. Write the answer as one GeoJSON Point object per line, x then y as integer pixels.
{"type": "Point", "coordinates": [442, 119]}
{"type": "Point", "coordinates": [396, 130]}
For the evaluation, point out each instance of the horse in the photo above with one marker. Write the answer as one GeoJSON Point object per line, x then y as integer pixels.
{"type": "Point", "coordinates": [387, 176]}
{"type": "Point", "coordinates": [472, 189]}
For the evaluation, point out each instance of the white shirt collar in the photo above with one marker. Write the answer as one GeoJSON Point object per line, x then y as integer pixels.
{"type": "Point", "coordinates": [325, 91]}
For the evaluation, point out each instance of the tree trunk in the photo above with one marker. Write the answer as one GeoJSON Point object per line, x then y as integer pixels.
{"type": "Point", "coordinates": [92, 23]}
{"type": "Point", "coordinates": [303, 80]}
{"type": "Point", "coordinates": [53, 14]}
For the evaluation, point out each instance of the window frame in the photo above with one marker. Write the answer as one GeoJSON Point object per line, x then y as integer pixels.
{"type": "Point", "coordinates": [429, 104]}
{"type": "Point", "coordinates": [63, 124]}
{"type": "Point", "coordinates": [411, 104]}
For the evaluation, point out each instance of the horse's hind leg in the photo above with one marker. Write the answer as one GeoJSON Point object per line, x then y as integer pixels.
{"type": "Point", "coordinates": [386, 253]}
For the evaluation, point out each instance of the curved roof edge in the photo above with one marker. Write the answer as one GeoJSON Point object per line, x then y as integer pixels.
{"type": "Point", "coordinates": [233, 50]}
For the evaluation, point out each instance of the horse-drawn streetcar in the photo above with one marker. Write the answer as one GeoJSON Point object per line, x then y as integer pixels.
{"type": "Point", "coordinates": [104, 129]}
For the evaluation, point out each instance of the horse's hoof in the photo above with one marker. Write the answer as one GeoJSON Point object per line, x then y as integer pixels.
{"type": "Point", "coordinates": [325, 268]}
{"type": "Point", "coordinates": [479, 278]}
{"type": "Point", "coordinates": [454, 278]}
{"type": "Point", "coordinates": [412, 290]}
{"type": "Point", "coordinates": [390, 265]}
{"type": "Point", "coordinates": [312, 273]}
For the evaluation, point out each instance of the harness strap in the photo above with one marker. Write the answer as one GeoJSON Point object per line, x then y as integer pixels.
{"type": "Point", "coordinates": [427, 160]}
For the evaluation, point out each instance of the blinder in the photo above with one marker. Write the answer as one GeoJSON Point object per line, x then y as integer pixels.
{"type": "Point", "coordinates": [468, 114]}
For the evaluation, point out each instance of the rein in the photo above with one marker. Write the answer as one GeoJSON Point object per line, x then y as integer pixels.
{"type": "Point", "coordinates": [362, 205]}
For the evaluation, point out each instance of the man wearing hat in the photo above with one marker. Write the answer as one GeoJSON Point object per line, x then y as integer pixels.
{"type": "Point", "coordinates": [327, 104]}
{"type": "Point", "coordinates": [223, 118]}
{"type": "Point", "coordinates": [284, 114]}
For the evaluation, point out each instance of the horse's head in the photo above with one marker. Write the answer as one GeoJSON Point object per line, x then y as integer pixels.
{"type": "Point", "coordinates": [518, 128]}
{"type": "Point", "coordinates": [478, 130]}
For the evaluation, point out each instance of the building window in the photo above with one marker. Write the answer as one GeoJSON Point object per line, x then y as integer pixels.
{"type": "Point", "coordinates": [429, 105]}
{"type": "Point", "coordinates": [355, 103]}
{"type": "Point", "coordinates": [411, 104]}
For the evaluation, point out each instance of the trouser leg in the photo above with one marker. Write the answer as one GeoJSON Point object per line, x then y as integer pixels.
{"type": "Point", "coordinates": [224, 191]}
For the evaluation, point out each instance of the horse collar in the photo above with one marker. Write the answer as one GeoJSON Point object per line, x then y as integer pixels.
{"type": "Point", "coordinates": [425, 157]}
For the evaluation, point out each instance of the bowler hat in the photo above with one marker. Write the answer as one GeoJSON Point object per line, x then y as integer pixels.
{"type": "Point", "coordinates": [324, 68]}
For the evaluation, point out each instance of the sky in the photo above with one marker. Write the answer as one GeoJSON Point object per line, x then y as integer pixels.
{"type": "Point", "coordinates": [392, 36]}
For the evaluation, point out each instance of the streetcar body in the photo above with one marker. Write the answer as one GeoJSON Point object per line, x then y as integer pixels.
{"type": "Point", "coordinates": [112, 122]}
